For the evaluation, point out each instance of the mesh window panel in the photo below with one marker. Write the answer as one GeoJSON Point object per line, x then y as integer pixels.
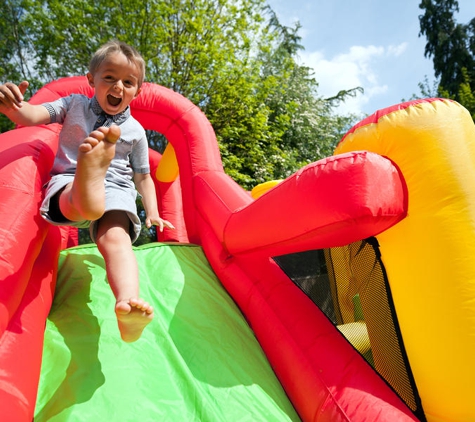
{"type": "Point", "coordinates": [350, 286]}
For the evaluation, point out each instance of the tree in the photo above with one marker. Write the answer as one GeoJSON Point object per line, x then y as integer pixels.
{"type": "Point", "coordinates": [452, 47]}
{"type": "Point", "coordinates": [308, 127]}
{"type": "Point", "coordinates": [14, 49]}
{"type": "Point", "coordinates": [232, 58]}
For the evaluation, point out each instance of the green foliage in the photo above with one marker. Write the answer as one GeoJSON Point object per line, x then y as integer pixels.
{"type": "Point", "coordinates": [13, 63]}
{"type": "Point", "coordinates": [452, 48]}
{"type": "Point", "coordinates": [232, 58]}
{"type": "Point", "coordinates": [465, 94]}
{"type": "Point", "coordinates": [13, 55]}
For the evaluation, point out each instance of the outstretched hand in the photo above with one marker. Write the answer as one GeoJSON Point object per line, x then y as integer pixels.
{"type": "Point", "coordinates": [159, 222]}
{"type": "Point", "coordinates": [11, 96]}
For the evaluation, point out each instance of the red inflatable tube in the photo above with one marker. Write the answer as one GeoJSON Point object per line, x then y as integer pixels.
{"type": "Point", "coordinates": [170, 205]}
{"type": "Point", "coordinates": [25, 161]}
{"type": "Point", "coordinates": [346, 215]}
{"type": "Point", "coordinates": [22, 343]}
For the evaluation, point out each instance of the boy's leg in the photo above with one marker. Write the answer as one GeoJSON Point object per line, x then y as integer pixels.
{"type": "Point", "coordinates": [84, 198]}
{"type": "Point", "coordinates": [113, 241]}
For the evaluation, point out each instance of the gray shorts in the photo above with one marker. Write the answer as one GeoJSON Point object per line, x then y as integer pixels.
{"type": "Point", "coordinates": [117, 199]}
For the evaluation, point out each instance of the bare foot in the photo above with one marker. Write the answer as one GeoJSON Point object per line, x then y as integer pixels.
{"type": "Point", "coordinates": [86, 198]}
{"type": "Point", "coordinates": [133, 316]}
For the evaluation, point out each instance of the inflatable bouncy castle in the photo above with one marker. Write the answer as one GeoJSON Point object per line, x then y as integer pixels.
{"type": "Point", "coordinates": [342, 293]}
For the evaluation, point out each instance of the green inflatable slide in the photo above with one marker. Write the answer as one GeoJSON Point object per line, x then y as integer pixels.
{"type": "Point", "coordinates": [197, 361]}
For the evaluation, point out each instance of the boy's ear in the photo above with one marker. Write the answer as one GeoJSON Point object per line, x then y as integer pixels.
{"type": "Point", "coordinates": [138, 92]}
{"type": "Point", "coordinates": [90, 79]}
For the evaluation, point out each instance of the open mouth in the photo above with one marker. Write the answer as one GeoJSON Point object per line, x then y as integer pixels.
{"type": "Point", "coordinates": [114, 101]}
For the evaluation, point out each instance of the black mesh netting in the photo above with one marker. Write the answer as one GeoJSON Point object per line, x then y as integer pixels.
{"type": "Point", "coordinates": [350, 286]}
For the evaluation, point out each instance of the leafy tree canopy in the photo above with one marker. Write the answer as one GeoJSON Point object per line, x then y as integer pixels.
{"type": "Point", "coordinates": [452, 48]}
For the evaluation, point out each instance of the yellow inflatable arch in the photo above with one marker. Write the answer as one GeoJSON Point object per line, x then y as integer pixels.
{"type": "Point", "coordinates": [430, 255]}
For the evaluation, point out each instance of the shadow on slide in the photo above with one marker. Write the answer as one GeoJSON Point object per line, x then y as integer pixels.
{"type": "Point", "coordinates": [197, 361]}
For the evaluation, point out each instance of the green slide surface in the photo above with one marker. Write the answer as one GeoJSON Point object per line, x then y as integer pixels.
{"type": "Point", "coordinates": [197, 361]}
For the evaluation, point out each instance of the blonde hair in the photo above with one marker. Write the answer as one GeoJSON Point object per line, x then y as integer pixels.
{"type": "Point", "coordinates": [115, 46]}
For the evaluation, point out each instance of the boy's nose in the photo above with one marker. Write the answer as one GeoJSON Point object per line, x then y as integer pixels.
{"type": "Point", "coordinates": [119, 85]}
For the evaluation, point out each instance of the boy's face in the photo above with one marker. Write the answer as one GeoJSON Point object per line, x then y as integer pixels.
{"type": "Point", "coordinates": [115, 83]}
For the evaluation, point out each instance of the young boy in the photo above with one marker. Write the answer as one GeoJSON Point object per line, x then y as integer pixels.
{"type": "Point", "coordinates": [102, 159]}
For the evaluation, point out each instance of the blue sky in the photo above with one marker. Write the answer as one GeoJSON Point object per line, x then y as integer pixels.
{"type": "Point", "coordinates": [374, 44]}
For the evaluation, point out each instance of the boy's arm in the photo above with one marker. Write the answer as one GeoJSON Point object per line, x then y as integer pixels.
{"type": "Point", "coordinates": [146, 188]}
{"type": "Point", "coordinates": [19, 111]}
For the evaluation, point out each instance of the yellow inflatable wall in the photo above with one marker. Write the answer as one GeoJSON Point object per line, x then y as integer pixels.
{"type": "Point", "coordinates": [430, 255]}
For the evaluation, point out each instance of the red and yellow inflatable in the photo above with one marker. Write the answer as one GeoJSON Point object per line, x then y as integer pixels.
{"type": "Point", "coordinates": [429, 255]}
{"type": "Point", "coordinates": [405, 175]}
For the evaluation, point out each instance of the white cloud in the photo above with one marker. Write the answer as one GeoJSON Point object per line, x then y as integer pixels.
{"type": "Point", "coordinates": [358, 67]}
{"type": "Point", "coordinates": [397, 50]}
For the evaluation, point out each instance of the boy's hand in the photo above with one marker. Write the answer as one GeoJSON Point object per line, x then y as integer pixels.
{"type": "Point", "coordinates": [159, 222]}
{"type": "Point", "coordinates": [11, 96]}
